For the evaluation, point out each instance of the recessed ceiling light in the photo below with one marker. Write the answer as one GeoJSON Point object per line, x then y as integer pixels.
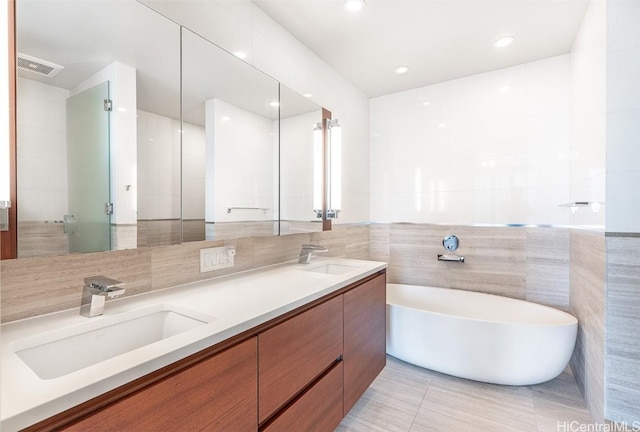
{"type": "Point", "coordinates": [442, 125]}
{"type": "Point", "coordinates": [402, 70]}
{"type": "Point", "coordinates": [504, 41]}
{"type": "Point", "coordinates": [275, 104]}
{"type": "Point", "coordinates": [353, 5]}
{"type": "Point", "coordinates": [505, 89]}
{"type": "Point", "coordinates": [240, 54]}
{"type": "Point", "coordinates": [425, 103]}
{"type": "Point", "coordinates": [308, 95]}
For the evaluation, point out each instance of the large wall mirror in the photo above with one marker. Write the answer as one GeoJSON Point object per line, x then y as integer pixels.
{"type": "Point", "coordinates": [230, 145]}
{"type": "Point", "coordinates": [135, 132]}
{"type": "Point", "coordinates": [79, 157]}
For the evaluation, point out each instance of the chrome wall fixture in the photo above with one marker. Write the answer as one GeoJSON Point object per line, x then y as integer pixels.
{"type": "Point", "coordinates": [451, 243]}
{"type": "Point", "coordinates": [574, 206]}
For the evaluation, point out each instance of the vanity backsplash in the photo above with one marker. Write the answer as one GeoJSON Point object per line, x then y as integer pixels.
{"type": "Point", "coordinates": [40, 285]}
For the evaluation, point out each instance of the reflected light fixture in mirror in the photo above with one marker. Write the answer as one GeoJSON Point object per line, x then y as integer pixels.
{"type": "Point", "coordinates": [334, 157]}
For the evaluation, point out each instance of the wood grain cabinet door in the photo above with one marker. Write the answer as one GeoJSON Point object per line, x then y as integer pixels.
{"type": "Point", "coordinates": [365, 318]}
{"type": "Point", "coordinates": [217, 394]}
{"type": "Point", "coordinates": [294, 353]}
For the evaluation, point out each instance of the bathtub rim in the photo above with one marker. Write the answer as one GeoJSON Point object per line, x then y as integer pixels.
{"type": "Point", "coordinates": [488, 321]}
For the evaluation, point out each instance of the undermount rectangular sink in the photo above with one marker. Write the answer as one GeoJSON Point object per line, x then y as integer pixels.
{"type": "Point", "coordinates": [334, 269]}
{"type": "Point", "coordinates": [67, 350]}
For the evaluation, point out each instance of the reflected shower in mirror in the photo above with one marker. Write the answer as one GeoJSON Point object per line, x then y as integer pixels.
{"type": "Point", "coordinates": [298, 119]}
{"type": "Point", "coordinates": [70, 49]}
{"type": "Point", "coordinates": [229, 145]}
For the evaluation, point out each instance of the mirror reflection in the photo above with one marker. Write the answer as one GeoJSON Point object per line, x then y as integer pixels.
{"type": "Point", "coordinates": [98, 104]}
{"type": "Point", "coordinates": [298, 119]}
{"type": "Point", "coordinates": [230, 145]}
{"type": "Point", "coordinates": [109, 159]}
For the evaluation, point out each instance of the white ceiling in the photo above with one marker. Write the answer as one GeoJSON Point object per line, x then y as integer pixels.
{"type": "Point", "coordinates": [438, 39]}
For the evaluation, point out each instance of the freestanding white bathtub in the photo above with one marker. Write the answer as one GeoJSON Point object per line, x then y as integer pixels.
{"type": "Point", "coordinates": [478, 336]}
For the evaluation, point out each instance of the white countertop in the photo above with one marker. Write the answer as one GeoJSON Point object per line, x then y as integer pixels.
{"type": "Point", "coordinates": [238, 302]}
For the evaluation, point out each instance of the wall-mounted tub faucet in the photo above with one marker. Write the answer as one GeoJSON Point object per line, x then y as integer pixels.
{"type": "Point", "coordinates": [308, 250]}
{"type": "Point", "coordinates": [97, 290]}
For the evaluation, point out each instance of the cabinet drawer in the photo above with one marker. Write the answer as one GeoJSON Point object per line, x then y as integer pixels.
{"type": "Point", "coordinates": [216, 394]}
{"type": "Point", "coordinates": [319, 409]}
{"type": "Point", "coordinates": [296, 352]}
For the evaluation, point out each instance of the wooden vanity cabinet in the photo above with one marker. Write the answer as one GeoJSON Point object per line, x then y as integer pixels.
{"type": "Point", "coordinates": [294, 353]}
{"type": "Point", "coordinates": [217, 394]}
{"type": "Point", "coordinates": [302, 371]}
{"type": "Point", "coordinates": [365, 327]}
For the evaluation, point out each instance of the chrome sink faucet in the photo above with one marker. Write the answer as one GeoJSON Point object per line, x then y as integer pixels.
{"type": "Point", "coordinates": [97, 290]}
{"type": "Point", "coordinates": [308, 250]}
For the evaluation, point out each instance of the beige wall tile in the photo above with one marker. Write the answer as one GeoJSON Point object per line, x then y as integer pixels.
{"type": "Point", "coordinates": [35, 286]}
{"type": "Point", "coordinates": [587, 303]}
{"type": "Point", "coordinates": [42, 238]}
{"type": "Point", "coordinates": [548, 266]}
{"type": "Point", "coordinates": [623, 322]}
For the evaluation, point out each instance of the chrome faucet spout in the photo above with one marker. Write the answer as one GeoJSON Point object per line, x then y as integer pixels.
{"type": "Point", "coordinates": [97, 290]}
{"type": "Point", "coordinates": [308, 250]}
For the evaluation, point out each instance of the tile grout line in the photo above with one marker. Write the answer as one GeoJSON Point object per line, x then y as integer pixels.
{"type": "Point", "coordinates": [424, 396]}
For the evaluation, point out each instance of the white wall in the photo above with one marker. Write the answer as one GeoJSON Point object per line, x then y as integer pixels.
{"type": "Point", "coordinates": [623, 116]}
{"type": "Point", "coordinates": [490, 148]}
{"type": "Point", "coordinates": [588, 90]}
{"type": "Point", "coordinates": [241, 26]}
{"type": "Point", "coordinates": [42, 153]}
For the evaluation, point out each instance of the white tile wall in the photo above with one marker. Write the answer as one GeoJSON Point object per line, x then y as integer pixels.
{"type": "Point", "coordinates": [623, 116]}
{"type": "Point", "coordinates": [489, 148]}
{"type": "Point", "coordinates": [588, 97]}
{"type": "Point", "coordinates": [42, 153]}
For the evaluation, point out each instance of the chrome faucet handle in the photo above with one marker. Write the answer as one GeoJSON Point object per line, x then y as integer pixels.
{"type": "Point", "coordinates": [97, 290]}
{"type": "Point", "coordinates": [308, 250]}
{"type": "Point", "coordinates": [103, 283]}
{"type": "Point", "coordinates": [314, 247]}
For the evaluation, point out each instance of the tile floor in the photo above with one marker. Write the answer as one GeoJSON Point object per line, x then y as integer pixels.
{"type": "Point", "coordinates": [406, 398]}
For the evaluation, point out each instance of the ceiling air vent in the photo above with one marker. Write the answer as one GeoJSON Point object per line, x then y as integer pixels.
{"type": "Point", "coordinates": [38, 66]}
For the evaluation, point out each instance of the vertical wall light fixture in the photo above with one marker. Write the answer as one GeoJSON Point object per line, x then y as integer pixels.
{"type": "Point", "coordinates": [327, 169]}
{"type": "Point", "coordinates": [5, 167]}
{"type": "Point", "coordinates": [334, 169]}
{"type": "Point", "coordinates": [318, 168]}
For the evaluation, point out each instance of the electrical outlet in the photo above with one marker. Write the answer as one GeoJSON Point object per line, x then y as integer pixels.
{"type": "Point", "coordinates": [216, 258]}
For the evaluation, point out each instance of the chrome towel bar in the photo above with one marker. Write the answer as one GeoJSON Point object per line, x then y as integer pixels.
{"type": "Point", "coordinates": [452, 258]}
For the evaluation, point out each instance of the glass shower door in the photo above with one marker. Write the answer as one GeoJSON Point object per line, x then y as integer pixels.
{"type": "Point", "coordinates": [88, 223]}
